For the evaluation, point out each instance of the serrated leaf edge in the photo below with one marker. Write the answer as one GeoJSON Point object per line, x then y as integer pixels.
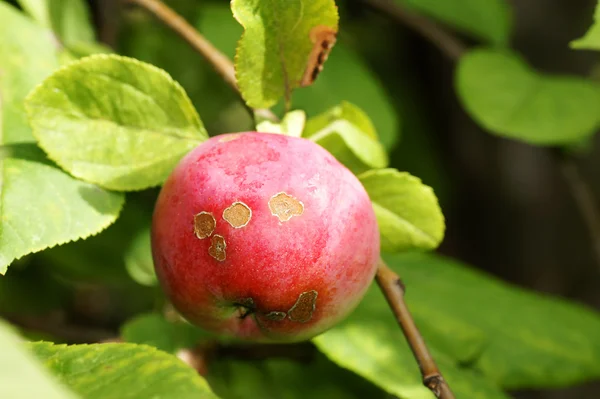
{"type": "Point", "coordinates": [91, 233]}
{"type": "Point", "coordinates": [29, 111]}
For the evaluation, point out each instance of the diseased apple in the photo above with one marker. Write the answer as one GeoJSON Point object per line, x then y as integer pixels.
{"type": "Point", "coordinates": [264, 237]}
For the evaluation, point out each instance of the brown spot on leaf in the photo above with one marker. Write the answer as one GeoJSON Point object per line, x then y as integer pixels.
{"type": "Point", "coordinates": [323, 38]}
{"type": "Point", "coordinates": [304, 307]}
{"type": "Point", "coordinates": [237, 215]}
{"type": "Point", "coordinates": [285, 206]}
{"type": "Point", "coordinates": [217, 247]}
{"type": "Point", "coordinates": [276, 316]}
{"type": "Point", "coordinates": [204, 224]}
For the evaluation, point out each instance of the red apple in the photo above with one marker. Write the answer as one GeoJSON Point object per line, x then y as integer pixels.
{"type": "Point", "coordinates": [264, 237]}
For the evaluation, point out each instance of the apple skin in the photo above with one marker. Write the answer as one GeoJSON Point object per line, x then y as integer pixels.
{"type": "Point", "coordinates": [295, 269]}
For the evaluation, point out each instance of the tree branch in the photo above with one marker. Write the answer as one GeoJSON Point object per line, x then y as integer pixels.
{"type": "Point", "coordinates": [448, 43]}
{"type": "Point", "coordinates": [392, 287]}
{"type": "Point", "coordinates": [216, 58]}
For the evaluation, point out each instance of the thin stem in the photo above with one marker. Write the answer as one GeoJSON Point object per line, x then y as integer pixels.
{"type": "Point", "coordinates": [392, 287]}
{"type": "Point", "coordinates": [178, 24]}
{"type": "Point", "coordinates": [584, 198]}
{"type": "Point", "coordinates": [448, 43]}
{"type": "Point", "coordinates": [219, 61]}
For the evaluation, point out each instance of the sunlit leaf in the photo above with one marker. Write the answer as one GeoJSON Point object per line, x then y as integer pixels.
{"type": "Point", "coordinates": [407, 210]}
{"type": "Point", "coordinates": [114, 121]}
{"type": "Point", "coordinates": [273, 53]}
{"type": "Point", "coordinates": [123, 371]}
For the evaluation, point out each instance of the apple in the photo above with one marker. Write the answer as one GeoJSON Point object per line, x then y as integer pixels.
{"type": "Point", "coordinates": [264, 237]}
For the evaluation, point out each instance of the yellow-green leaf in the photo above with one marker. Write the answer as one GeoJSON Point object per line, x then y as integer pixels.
{"type": "Point", "coordinates": [21, 375]}
{"type": "Point", "coordinates": [26, 59]}
{"type": "Point", "coordinates": [40, 207]}
{"type": "Point", "coordinates": [114, 121]}
{"type": "Point", "coordinates": [122, 371]}
{"type": "Point", "coordinates": [591, 40]}
{"type": "Point", "coordinates": [347, 133]}
{"type": "Point", "coordinates": [274, 51]}
{"type": "Point", "coordinates": [407, 210]}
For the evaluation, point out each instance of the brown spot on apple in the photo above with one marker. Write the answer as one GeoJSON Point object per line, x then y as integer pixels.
{"type": "Point", "coordinates": [304, 307]}
{"type": "Point", "coordinates": [284, 206]}
{"type": "Point", "coordinates": [276, 316]}
{"type": "Point", "coordinates": [217, 247]}
{"type": "Point", "coordinates": [237, 215]}
{"type": "Point", "coordinates": [204, 224]}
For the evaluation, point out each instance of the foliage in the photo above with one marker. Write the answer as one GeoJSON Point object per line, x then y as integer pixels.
{"type": "Point", "coordinates": [77, 129]}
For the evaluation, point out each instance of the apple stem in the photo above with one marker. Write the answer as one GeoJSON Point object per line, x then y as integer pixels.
{"type": "Point", "coordinates": [219, 61]}
{"type": "Point", "coordinates": [393, 289]}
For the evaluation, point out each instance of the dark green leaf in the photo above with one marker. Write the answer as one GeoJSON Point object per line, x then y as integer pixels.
{"type": "Point", "coordinates": [69, 19]}
{"type": "Point", "coordinates": [153, 329]}
{"type": "Point", "coordinates": [371, 344]}
{"type": "Point", "coordinates": [273, 53]}
{"type": "Point", "coordinates": [122, 371]}
{"type": "Point", "coordinates": [114, 121]}
{"type": "Point", "coordinates": [407, 211]}
{"type": "Point", "coordinates": [506, 96]}
{"type": "Point", "coordinates": [283, 378]}
{"type": "Point", "coordinates": [532, 340]}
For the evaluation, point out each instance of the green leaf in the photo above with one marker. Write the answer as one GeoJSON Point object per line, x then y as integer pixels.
{"type": "Point", "coordinates": [153, 329]}
{"type": "Point", "coordinates": [533, 340]}
{"type": "Point", "coordinates": [489, 20]}
{"type": "Point", "coordinates": [69, 19]}
{"type": "Point", "coordinates": [41, 207]}
{"type": "Point", "coordinates": [407, 211]}
{"type": "Point", "coordinates": [25, 60]}
{"type": "Point", "coordinates": [291, 124]}
{"type": "Point", "coordinates": [283, 378]}
{"type": "Point", "coordinates": [591, 40]}
{"type": "Point", "coordinates": [138, 259]}
{"type": "Point", "coordinates": [21, 375]}
{"type": "Point", "coordinates": [347, 133]}
{"type": "Point", "coordinates": [506, 96]}
{"type": "Point", "coordinates": [274, 50]}
{"type": "Point", "coordinates": [122, 371]}
{"type": "Point", "coordinates": [114, 121]}
{"type": "Point", "coordinates": [345, 77]}
{"type": "Point", "coordinates": [371, 344]}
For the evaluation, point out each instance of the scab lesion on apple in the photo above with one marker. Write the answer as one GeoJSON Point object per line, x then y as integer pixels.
{"type": "Point", "coordinates": [204, 225]}
{"type": "Point", "coordinates": [238, 215]}
{"type": "Point", "coordinates": [276, 316]}
{"type": "Point", "coordinates": [285, 206]}
{"type": "Point", "coordinates": [218, 247]}
{"type": "Point", "coordinates": [304, 307]}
